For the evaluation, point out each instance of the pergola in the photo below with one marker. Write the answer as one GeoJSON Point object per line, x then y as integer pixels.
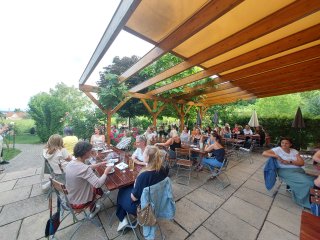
{"type": "Point", "coordinates": [255, 48]}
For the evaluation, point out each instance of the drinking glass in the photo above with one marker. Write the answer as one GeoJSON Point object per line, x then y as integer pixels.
{"type": "Point", "coordinates": [131, 164]}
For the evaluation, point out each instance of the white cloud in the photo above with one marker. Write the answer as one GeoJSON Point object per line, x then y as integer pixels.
{"type": "Point", "coordinates": [46, 42]}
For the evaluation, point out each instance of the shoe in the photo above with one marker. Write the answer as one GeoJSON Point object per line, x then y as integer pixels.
{"type": "Point", "coordinates": [123, 224]}
{"type": "Point", "coordinates": [4, 162]}
{"type": "Point", "coordinates": [96, 210]}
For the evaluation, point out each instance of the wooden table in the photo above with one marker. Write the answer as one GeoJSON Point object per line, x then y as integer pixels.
{"type": "Point", "coordinates": [310, 226]}
{"type": "Point", "coordinates": [120, 179]}
{"type": "Point", "coordinates": [312, 170]}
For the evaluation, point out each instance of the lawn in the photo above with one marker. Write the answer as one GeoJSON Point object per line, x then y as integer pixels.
{"type": "Point", "coordinates": [27, 139]}
{"type": "Point", "coordinates": [10, 153]}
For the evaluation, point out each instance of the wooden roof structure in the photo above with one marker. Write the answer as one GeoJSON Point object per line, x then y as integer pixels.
{"type": "Point", "coordinates": [255, 48]}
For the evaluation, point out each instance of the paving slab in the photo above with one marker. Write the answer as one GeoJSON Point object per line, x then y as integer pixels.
{"type": "Point", "coordinates": [8, 185]}
{"type": "Point", "coordinates": [206, 200]}
{"type": "Point", "coordinates": [27, 181]}
{"type": "Point", "coordinates": [33, 227]}
{"type": "Point", "coordinates": [229, 227]}
{"type": "Point", "coordinates": [245, 211]}
{"type": "Point", "coordinates": [285, 219]}
{"type": "Point", "coordinates": [19, 210]}
{"type": "Point", "coordinates": [215, 187]}
{"type": "Point", "coordinates": [258, 199]}
{"type": "Point", "coordinates": [19, 174]}
{"type": "Point", "coordinates": [10, 231]}
{"type": "Point", "coordinates": [202, 234]}
{"type": "Point", "coordinates": [286, 203]}
{"type": "Point", "coordinates": [173, 231]}
{"type": "Point", "coordinates": [36, 190]}
{"type": "Point", "coordinates": [236, 172]}
{"type": "Point", "coordinates": [105, 217]}
{"type": "Point", "coordinates": [271, 231]}
{"type": "Point", "coordinates": [257, 186]}
{"type": "Point", "coordinates": [189, 215]}
{"type": "Point", "coordinates": [86, 231]}
{"type": "Point", "coordinates": [14, 195]}
{"type": "Point", "coordinates": [180, 190]}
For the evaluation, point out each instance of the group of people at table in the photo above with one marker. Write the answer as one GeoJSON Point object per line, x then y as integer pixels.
{"type": "Point", "coordinates": [68, 158]}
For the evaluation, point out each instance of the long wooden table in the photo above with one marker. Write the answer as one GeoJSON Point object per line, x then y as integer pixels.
{"type": "Point", "coordinates": [118, 178]}
{"type": "Point", "coordinates": [310, 226]}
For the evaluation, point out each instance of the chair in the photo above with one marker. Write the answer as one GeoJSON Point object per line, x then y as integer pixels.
{"type": "Point", "coordinates": [247, 152]}
{"type": "Point", "coordinates": [184, 163]}
{"type": "Point", "coordinates": [216, 172]}
{"type": "Point", "coordinates": [62, 194]}
{"type": "Point", "coordinates": [315, 201]}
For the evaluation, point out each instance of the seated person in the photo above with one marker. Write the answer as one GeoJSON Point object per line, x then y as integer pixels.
{"type": "Point", "coordinates": [81, 182]}
{"type": "Point", "coordinates": [98, 139]}
{"type": "Point", "coordinates": [290, 163]}
{"type": "Point", "coordinates": [57, 156]}
{"type": "Point", "coordinates": [129, 198]}
{"type": "Point", "coordinates": [196, 137]}
{"type": "Point", "coordinates": [162, 132]}
{"type": "Point", "coordinates": [185, 136]}
{"type": "Point", "coordinates": [150, 134]}
{"type": "Point", "coordinates": [217, 151]}
{"type": "Point", "coordinates": [69, 141]}
{"type": "Point", "coordinates": [316, 159]}
{"type": "Point", "coordinates": [260, 131]}
{"type": "Point", "coordinates": [137, 156]}
{"type": "Point", "coordinates": [125, 141]}
{"type": "Point", "coordinates": [226, 132]}
{"type": "Point", "coordinates": [173, 143]}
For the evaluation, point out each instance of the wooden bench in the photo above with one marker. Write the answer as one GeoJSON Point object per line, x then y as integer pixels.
{"type": "Point", "coordinates": [310, 226]}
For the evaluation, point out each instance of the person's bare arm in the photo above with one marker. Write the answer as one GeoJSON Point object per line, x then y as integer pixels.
{"type": "Point", "coordinates": [316, 157]}
{"type": "Point", "coordinates": [166, 144]}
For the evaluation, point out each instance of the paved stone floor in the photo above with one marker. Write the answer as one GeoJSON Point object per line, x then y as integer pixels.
{"type": "Point", "coordinates": [243, 210]}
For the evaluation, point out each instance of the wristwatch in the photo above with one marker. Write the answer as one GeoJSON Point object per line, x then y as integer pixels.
{"type": "Point", "coordinates": [290, 162]}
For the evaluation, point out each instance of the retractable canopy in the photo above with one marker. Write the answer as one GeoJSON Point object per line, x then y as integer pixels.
{"type": "Point", "coordinates": [249, 48]}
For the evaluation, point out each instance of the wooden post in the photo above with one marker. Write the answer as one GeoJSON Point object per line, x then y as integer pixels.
{"type": "Point", "coordinates": [109, 115]}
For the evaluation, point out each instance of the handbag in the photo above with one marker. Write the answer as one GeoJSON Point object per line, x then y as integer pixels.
{"type": "Point", "coordinates": [146, 216]}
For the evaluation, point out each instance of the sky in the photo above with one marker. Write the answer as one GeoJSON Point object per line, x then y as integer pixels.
{"type": "Point", "coordinates": [46, 42]}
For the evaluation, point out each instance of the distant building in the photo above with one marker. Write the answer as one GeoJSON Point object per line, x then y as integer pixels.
{"type": "Point", "coordinates": [16, 115]}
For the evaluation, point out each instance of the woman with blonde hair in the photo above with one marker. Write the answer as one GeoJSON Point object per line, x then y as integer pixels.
{"type": "Point", "coordinates": [56, 154]}
{"type": "Point", "coordinates": [129, 197]}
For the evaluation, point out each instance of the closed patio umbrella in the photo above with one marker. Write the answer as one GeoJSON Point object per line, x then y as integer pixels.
{"type": "Point", "coordinates": [198, 119]}
{"type": "Point", "coordinates": [215, 119]}
{"type": "Point", "coordinates": [254, 122]}
{"type": "Point", "coordinates": [298, 123]}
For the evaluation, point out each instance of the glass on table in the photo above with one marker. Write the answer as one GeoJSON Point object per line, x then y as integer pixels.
{"type": "Point", "coordinates": [131, 164]}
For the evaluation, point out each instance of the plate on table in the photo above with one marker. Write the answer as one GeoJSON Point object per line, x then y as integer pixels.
{"type": "Point", "coordinates": [193, 146]}
{"type": "Point", "coordinates": [113, 160]}
{"type": "Point", "coordinates": [122, 166]}
{"type": "Point", "coordinates": [107, 151]}
{"type": "Point", "coordinates": [112, 171]}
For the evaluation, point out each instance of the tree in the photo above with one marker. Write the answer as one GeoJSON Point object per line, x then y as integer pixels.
{"type": "Point", "coordinates": [47, 112]}
{"type": "Point", "coordinates": [312, 102]}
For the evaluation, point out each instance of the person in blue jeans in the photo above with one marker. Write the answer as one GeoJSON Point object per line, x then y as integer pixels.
{"type": "Point", "coordinates": [217, 151]}
{"type": "Point", "coordinates": [129, 198]}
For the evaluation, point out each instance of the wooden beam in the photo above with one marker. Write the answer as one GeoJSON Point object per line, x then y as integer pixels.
{"type": "Point", "coordinates": [88, 88]}
{"type": "Point", "coordinates": [290, 59]}
{"type": "Point", "coordinates": [270, 74]}
{"type": "Point", "coordinates": [277, 20]}
{"type": "Point", "coordinates": [207, 14]}
{"type": "Point", "coordinates": [120, 105]}
{"type": "Point", "coordinates": [119, 19]}
{"type": "Point", "coordinates": [96, 102]}
{"type": "Point", "coordinates": [146, 105]}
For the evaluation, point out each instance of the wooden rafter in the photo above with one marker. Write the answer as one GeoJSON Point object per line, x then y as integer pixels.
{"type": "Point", "coordinates": [210, 12]}
{"type": "Point", "coordinates": [268, 24]}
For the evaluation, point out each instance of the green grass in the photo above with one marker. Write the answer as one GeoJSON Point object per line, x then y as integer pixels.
{"type": "Point", "coordinates": [10, 153]}
{"type": "Point", "coordinates": [27, 139]}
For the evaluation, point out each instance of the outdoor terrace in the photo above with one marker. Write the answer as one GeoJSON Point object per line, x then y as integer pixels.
{"type": "Point", "coordinates": [243, 210]}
